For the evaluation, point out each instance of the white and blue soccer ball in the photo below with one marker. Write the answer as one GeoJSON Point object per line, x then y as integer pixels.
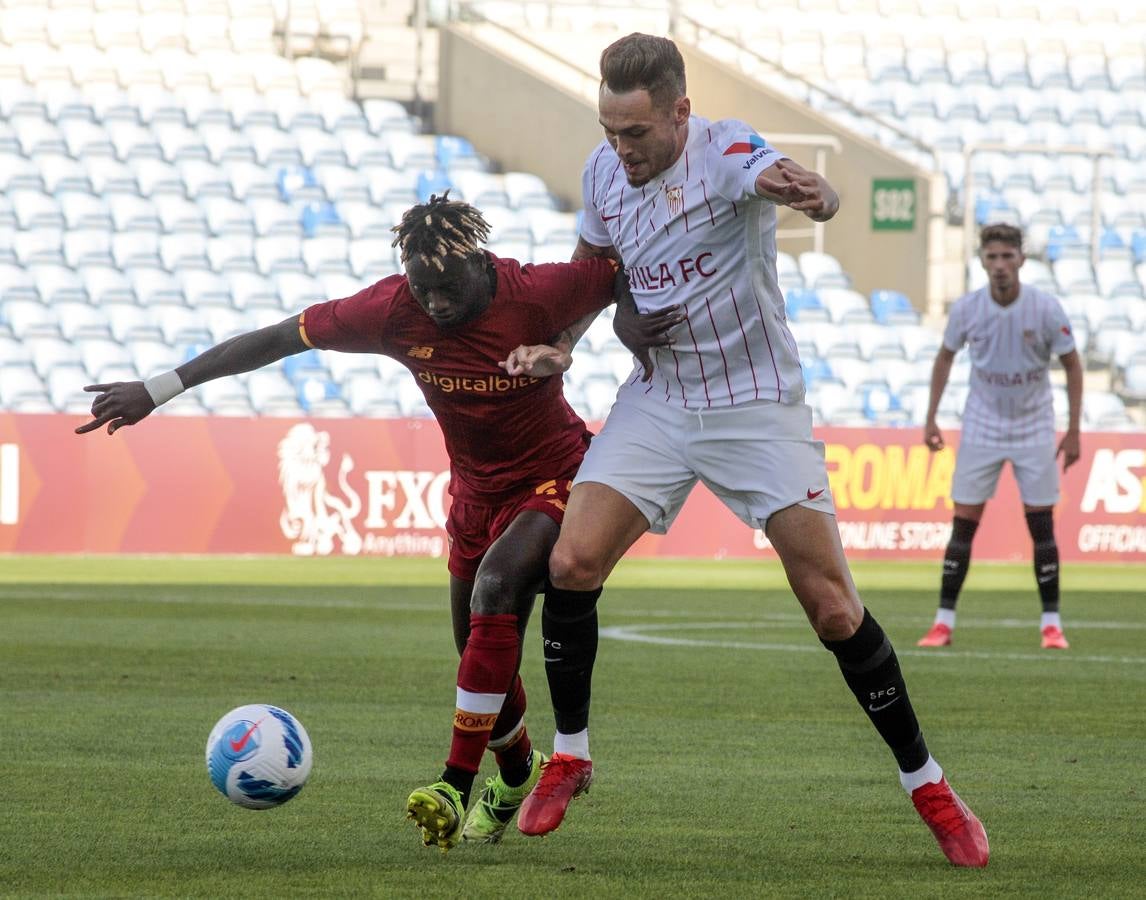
{"type": "Point", "coordinates": [259, 756]}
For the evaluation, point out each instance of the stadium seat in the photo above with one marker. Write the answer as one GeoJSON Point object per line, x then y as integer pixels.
{"type": "Point", "coordinates": [893, 308]}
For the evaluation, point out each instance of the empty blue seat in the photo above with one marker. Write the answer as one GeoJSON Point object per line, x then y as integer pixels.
{"type": "Point", "coordinates": [315, 215]}
{"type": "Point", "coordinates": [432, 182]}
{"type": "Point", "coordinates": [892, 308]}
{"type": "Point", "coordinates": [798, 301]}
{"type": "Point", "coordinates": [293, 181]}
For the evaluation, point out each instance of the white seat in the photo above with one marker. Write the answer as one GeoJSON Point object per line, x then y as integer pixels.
{"type": "Point", "coordinates": [813, 265]}
{"type": "Point", "coordinates": [151, 357]}
{"type": "Point", "coordinates": [224, 322]}
{"type": "Point", "coordinates": [81, 321]}
{"type": "Point", "coordinates": [95, 353]}
{"type": "Point", "coordinates": [297, 290]}
{"type": "Point", "coordinates": [845, 305]}
{"type": "Point", "coordinates": [325, 249]}
{"type": "Point", "coordinates": [177, 214]}
{"type": "Point", "coordinates": [336, 286]}
{"type": "Point", "coordinates": [34, 209]}
{"type": "Point", "coordinates": [84, 211]}
{"type": "Point", "coordinates": [155, 287]}
{"type": "Point", "coordinates": [202, 178]}
{"type": "Point", "coordinates": [110, 176]}
{"type": "Point", "coordinates": [225, 216]}
{"type": "Point", "coordinates": [270, 387]}
{"type": "Point", "coordinates": [231, 251]}
{"type": "Point", "coordinates": [19, 382]}
{"type": "Point", "coordinates": [156, 177]}
{"type": "Point", "coordinates": [58, 284]}
{"type": "Point", "coordinates": [278, 252]}
{"type": "Point", "coordinates": [372, 259]}
{"type": "Point", "coordinates": [135, 248]}
{"type": "Point", "coordinates": [250, 290]}
{"type": "Point", "coordinates": [63, 174]}
{"type": "Point", "coordinates": [178, 251]}
{"type": "Point", "coordinates": [47, 352]}
{"type": "Point", "coordinates": [106, 284]}
{"type": "Point", "coordinates": [203, 288]}
{"type": "Point", "coordinates": [133, 213]}
{"type": "Point", "coordinates": [272, 216]}
{"type": "Point", "coordinates": [21, 316]}
{"type": "Point", "coordinates": [39, 245]}
{"type": "Point", "coordinates": [528, 190]}
{"type": "Point", "coordinates": [128, 322]}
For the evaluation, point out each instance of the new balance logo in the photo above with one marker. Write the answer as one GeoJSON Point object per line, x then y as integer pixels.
{"type": "Point", "coordinates": [9, 484]}
{"type": "Point", "coordinates": [420, 352]}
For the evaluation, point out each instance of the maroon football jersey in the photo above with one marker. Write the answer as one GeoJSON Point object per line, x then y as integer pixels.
{"type": "Point", "coordinates": [502, 432]}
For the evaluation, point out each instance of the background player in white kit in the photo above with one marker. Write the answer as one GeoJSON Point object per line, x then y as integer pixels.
{"type": "Point", "coordinates": [689, 205]}
{"type": "Point", "coordinates": [1013, 330]}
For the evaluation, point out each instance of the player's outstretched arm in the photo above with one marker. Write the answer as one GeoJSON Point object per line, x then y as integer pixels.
{"type": "Point", "coordinates": [940, 372]}
{"type": "Point", "coordinates": [787, 183]}
{"type": "Point", "coordinates": [555, 358]}
{"type": "Point", "coordinates": [127, 402]}
{"type": "Point", "coordinates": [1070, 447]}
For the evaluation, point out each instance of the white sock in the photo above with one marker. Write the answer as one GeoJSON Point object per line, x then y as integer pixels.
{"type": "Point", "coordinates": [572, 744]}
{"type": "Point", "coordinates": [930, 773]}
{"type": "Point", "coordinates": [1050, 619]}
{"type": "Point", "coordinates": [945, 617]}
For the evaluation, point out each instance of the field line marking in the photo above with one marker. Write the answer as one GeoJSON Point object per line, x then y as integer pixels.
{"type": "Point", "coordinates": [638, 634]}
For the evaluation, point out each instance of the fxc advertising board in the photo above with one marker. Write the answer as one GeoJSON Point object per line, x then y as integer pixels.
{"type": "Point", "coordinates": [379, 487]}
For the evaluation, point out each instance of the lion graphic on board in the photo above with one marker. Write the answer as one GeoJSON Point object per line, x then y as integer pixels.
{"type": "Point", "coordinates": [314, 516]}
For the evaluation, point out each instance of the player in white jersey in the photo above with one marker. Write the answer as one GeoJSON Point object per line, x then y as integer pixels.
{"type": "Point", "coordinates": [690, 207]}
{"type": "Point", "coordinates": [1012, 331]}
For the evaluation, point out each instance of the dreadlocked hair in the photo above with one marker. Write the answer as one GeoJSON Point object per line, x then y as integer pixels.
{"type": "Point", "coordinates": [438, 229]}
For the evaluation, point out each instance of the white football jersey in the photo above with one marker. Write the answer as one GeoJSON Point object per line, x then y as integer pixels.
{"type": "Point", "coordinates": [699, 236]}
{"type": "Point", "coordinates": [1009, 403]}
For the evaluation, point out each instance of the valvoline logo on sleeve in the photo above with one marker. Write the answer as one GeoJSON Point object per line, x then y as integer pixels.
{"type": "Point", "coordinates": [751, 145]}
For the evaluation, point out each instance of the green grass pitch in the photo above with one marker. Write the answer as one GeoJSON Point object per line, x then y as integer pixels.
{"type": "Point", "coordinates": [731, 760]}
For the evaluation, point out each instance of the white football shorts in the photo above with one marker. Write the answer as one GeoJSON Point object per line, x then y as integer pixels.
{"type": "Point", "coordinates": [757, 458]}
{"type": "Point", "coordinates": [977, 471]}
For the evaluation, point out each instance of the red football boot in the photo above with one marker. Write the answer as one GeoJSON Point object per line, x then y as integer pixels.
{"type": "Point", "coordinates": [961, 836]}
{"type": "Point", "coordinates": [562, 778]}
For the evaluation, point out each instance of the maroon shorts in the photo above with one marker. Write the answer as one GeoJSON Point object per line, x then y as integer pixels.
{"type": "Point", "coordinates": [472, 529]}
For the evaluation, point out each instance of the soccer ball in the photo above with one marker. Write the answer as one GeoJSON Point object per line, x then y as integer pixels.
{"type": "Point", "coordinates": [258, 756]}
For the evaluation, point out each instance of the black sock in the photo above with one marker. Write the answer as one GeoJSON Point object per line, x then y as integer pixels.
{"type": "Point", "coordinates": [1041, 526]}
{"type": "Point", "coordinates": [871, 670]}
{"type": "Point", "coordinates": [569, 627]}
{"type": "Point", "coordinates": [517, 775]}
{"type": "Point", "coordinates": [462, 780]}
{"type": "Point", "coordinates": [956, 561]}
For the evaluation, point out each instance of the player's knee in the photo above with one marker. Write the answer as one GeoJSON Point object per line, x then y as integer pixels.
{"type": "Point", "coordinates": [572, 570]}
{"type": "Point", "coordinates": [836, 623]}
{"type": "Point", "coordinates": [833, 608]}
{"type": "Point", "coordinates": [495, 594]}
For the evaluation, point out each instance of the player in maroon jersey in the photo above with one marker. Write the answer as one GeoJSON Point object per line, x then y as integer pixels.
{"type": "Point", "coordinates": [513, 441]}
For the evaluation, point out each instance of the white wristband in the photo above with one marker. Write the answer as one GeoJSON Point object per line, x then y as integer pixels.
{"type": "Point", "coordinates": [164, 386]}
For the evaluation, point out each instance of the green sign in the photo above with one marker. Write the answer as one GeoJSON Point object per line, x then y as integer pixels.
{"type": "Point", "coordinates": [892, 204]}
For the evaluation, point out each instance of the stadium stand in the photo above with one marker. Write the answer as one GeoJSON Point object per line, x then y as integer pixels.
{"type": "Point", "coordinates": [173, 172]}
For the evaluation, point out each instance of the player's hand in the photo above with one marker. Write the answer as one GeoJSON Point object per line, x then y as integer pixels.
{"type": "Point", "coordinates": [118, 404]}
{"type": "Point", "coordinates": [932, 437]}
{"type": "Point", "coordinates": [1069, 448]}
{"type": "Point", "coordinates": [640, 332]}
{"type": "Point", "coordinates": [537, 360]}
{"type": "Point", "coordinates": [791, 185]}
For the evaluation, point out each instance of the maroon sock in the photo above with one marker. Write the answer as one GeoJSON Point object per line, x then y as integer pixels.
{"type": "Point", "coordinates": [485, 675]}
{"type": "Point", "coordinates": [509, 740]}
